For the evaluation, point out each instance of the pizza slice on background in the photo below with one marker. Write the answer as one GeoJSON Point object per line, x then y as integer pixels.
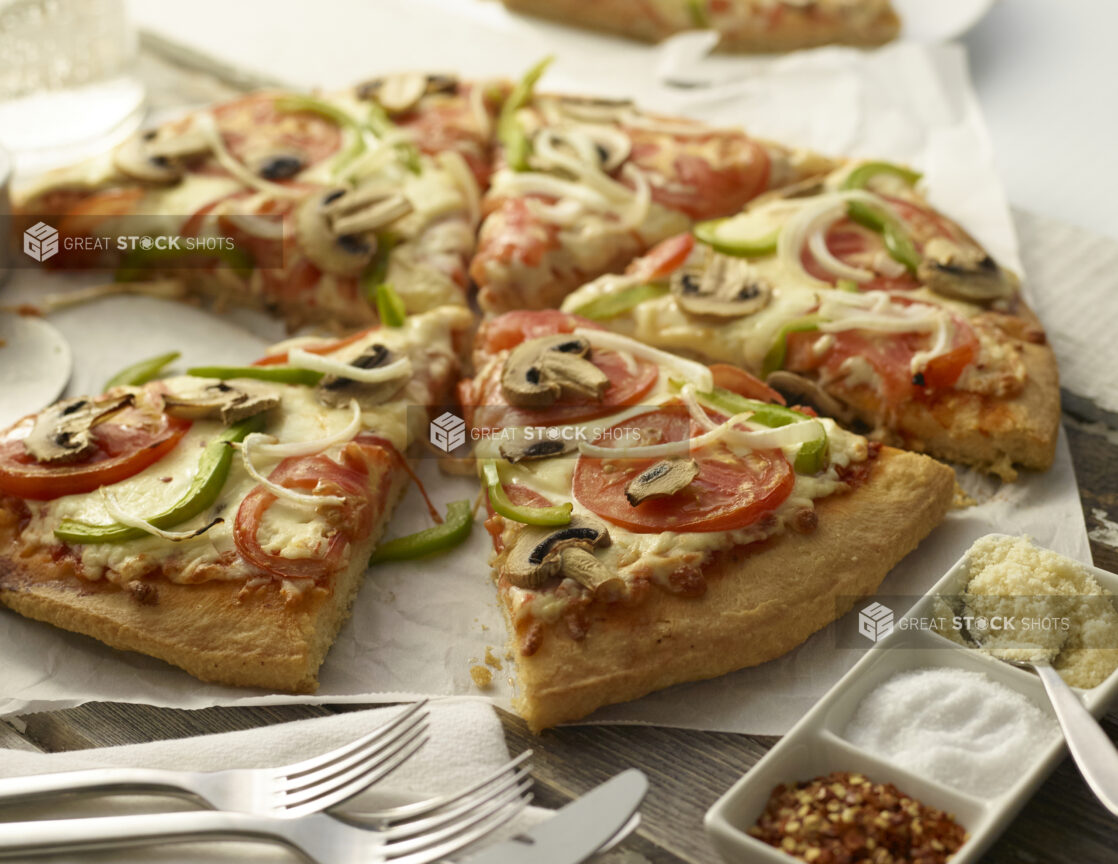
{"type": "Point", "coordinates": [854, 294]}
{"type": "Point", "coordinates": [223, 520]}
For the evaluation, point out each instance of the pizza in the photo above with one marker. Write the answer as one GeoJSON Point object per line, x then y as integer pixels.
{"type": "Point", "coordinates": [658, 521]}
{"type": "Point", "coordinates": [582, 185]}
{"type": "Point", "coordinates": [703, 457]}
{"type": "Point", "coordinates": [854, 294]}
{"type": "Point", "coordinates": [296, 204]}
{"type": "Point", "coordinates": [222, 521]}
{"type": "Point", "coordinates": [743, 25]}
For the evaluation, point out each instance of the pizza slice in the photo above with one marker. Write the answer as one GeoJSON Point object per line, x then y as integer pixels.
{"type": "Point", "coordinates": [300, 205]}
{"type": "Point", "coordinates": [583, 185]}
{"type": "Point", "coordinates": [743, 25]}
{"type": "Point", "coordinates": [657, 521]}
{"type": "Point", "coordinates": [855, 295]}
{"type": "Point", "coordinates": [222, 520]}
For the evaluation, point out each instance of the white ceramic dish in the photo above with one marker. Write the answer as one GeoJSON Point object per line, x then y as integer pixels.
{"type": "Point", "coordinates": [815, 747]}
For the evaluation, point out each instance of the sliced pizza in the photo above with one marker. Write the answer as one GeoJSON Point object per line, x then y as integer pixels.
{"type": "Point", "coordinates": [657, 521]}
{"type": "Point", "coordinates": [743, 25]}
{"type": "Point", "coordinates": [583, 185]}
{"type": "Point", "coordinates": [854, 294]}
{"type": "Point", "coordinates": [300, 205]}
{"type": "Point", "coordinates": [222, 520]}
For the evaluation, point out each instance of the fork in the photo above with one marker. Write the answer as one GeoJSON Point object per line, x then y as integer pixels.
{"type": "Point", "coordinates": [321, 838]}
{"type": "Point", "coordinates": [287, 792]}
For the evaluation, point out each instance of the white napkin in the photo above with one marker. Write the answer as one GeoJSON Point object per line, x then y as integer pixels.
{"type": "Point", "coordinates": [466, 741]}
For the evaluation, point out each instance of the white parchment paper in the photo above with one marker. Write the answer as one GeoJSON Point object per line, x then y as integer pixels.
{"type": "Point", "coordinates": [418, 627]}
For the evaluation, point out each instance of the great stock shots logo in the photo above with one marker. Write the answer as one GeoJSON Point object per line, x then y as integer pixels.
{"type": "Point", "coordinates": [40, 241]}
{"type": "Point", "coordinates": [875, 622]}
{"type": "Point", "coordinates": [448, 431]}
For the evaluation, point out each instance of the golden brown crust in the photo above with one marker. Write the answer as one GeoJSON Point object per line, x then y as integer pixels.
{"type": "Point", "coordinates": [759, 604]}
{"type": "Point", "coordinates": [796, 28]}
{"type": "Point", "coordinates": [214, 630]}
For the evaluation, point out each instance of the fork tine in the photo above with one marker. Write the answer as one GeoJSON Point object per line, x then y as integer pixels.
{"type": "Point", "coordinates": [360, 779]}
{"type": "Point", "coordinates": [462, 822]}
{"type": "Point", "coordinates": [513, 782]}
{"type": "Point", "coordinates": [324, 759]}
{"type": "Point", "coordinates": [382, 818]}
{"type": "Point", "coordinates": [479, 831]}
{"type": "Point", "coordinates": [387, 745]}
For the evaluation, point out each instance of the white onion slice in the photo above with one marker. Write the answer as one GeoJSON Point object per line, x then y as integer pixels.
{"type": "Point", "coordinates": [478, 107]}
{"type": "Point", "coordinates": [266, 228]}
{"type": "Point", "coordinates": [687, 392]}
{"type": "Point", "coordinates": [636, 214]}
{"type": "Point", "coordinates": [534, 183]}
{"type": "Point", "coordinates": [302, 498]}
{"type": "Point", "coordinates": [689, 370]}
{"type": "Point", "coordinates": [817, 243]}
{"type": "Point", "coordinates": [208, 127]}
{"type": "Point", "coordinates": [112, 506]}
{"type": "Point", "coordinates": [455, 165]}
{"type": "Point", "coordinates": [310, 448]}
{"type": "Point", "coordinates": [301, 359]}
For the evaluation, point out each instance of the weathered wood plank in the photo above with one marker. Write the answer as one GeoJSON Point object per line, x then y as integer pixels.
{"type": "Point", "coordinates": [12, 738]}
{"type": "Point", "coordinates": [106, 724]}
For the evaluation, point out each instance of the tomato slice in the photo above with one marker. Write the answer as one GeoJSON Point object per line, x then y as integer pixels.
{"type": "Point", "coordinates": [124, 445]}
{"type": "Point", "coordinates": [890, 355]}
{"type": "Point", "coordinates": [703, 176]}
{"type": "Point", "coordinates": [251, 127]}
{"type": "Point", "coordinates": [319, 474]}
{"type": "Point", "coordinates": [629, 382]}
{"type": "Point", "coordinates": [664, 258]}
{"type": "Point", "coordinates": [730, 491]}
{"type": "Point", "coordinates": [448, 122]}
{"type": "Point", "coordinates": [741, 382]}
{"type": "Point", "coordinates": [855, 245]}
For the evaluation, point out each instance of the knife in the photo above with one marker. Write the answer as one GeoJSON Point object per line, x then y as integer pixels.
{"type": "Point", "coordinates": [602, 816]}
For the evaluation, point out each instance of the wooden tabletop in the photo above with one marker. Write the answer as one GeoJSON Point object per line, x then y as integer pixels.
{"type": "Point", "coordinates": [1062, 824]}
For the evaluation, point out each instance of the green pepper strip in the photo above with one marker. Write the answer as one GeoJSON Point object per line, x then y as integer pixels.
{"type": "Point", "coordinates": [612, 305]}
{"type": "Point", "coordinates": [509, 131]}
{"type": "Point", "coordinates": [848, 285]}
{"type": "Point", "coordinates": [380, 124]}
{"type": "Point", "coordinates": [298, 102]}
{"type": "Point", "coordinates": [438, 538]}
{"type": "Point", "coordinates": [707, 232]}
{"type": "Point", "coordinates": [276, 374]}
{"type": "Point", "coordinates": [377, 271]}
{"type": "Point", "coordinates": [897, 242]}
{"type": "Point", "coordinates": [698, 13]}
{"type": "Point", "coordinates": [390, 308]}
{"type": "Point", "coordinates": [499, 500]}
{"type": "Point", "coordinates": [138, 261]}
{"type": "Point", "coordinates": [861, 176]}
{"type": "Point", "coordinates": [812, 457]}
{"type": "Point", "coordinates": [774, 357]}
{"type": "Point", "coordinates": [213, 470]}
{"type": "Point", "coordinates": [142, 372]}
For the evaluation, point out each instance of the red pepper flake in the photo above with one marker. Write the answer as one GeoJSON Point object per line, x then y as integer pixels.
{"type": "Point", "coordinates": [844, 818]}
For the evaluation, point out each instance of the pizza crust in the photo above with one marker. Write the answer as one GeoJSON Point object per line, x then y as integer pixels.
{"type": "Point", "coordinates": [761, 601]}
{"type": "Point", "coordinates": [210, 630]}
{"type": "Point", "coordinates": [876, 24]}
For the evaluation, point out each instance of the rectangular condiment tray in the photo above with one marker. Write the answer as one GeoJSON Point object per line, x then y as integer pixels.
{"type": "Point", "coordinates": [814, 746]}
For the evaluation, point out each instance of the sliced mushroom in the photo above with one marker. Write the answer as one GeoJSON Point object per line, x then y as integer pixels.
{"type": "Point", "coordinates": [157, 157]}
{"type": "Point", "coordinates": [962, 272]}
{"type": "Point", "coordinates": [337, 392]}
{"type": "Point", "coordinates": [541, 371]}
{"type": "Point", "coordinates": [607, 146]}
{"type": "Point", "coordinates": [662, 480]}
{"type": "Point", "coordinates": [62, 433]}
{"type": "Point", "coordinates": [723, 286]}
{"type": "Point", "coordinates": [218, 399]}
{"type": "Point", "coordinates": [594, 109]}
{"type": "Point", "coordinates": [279, 164]}
{"type": "Point", "coordinates": [538, 553]}
{"type": "Point", "coordinates": [803, 391]}
{"type": "Point", "coordinates": [365, 208]}
{"type": "Point", "coordinates": [543, 448]}
{"type": "Point", "coordinates": [401, 92]}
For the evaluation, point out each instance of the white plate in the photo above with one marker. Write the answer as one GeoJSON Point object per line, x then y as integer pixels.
{"type": "Point", "coordinates": [815, 745]}
{"type": "Point", "coordinates": [939, 20]}
{"type": "Point", "coordinates": [35, 364]}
